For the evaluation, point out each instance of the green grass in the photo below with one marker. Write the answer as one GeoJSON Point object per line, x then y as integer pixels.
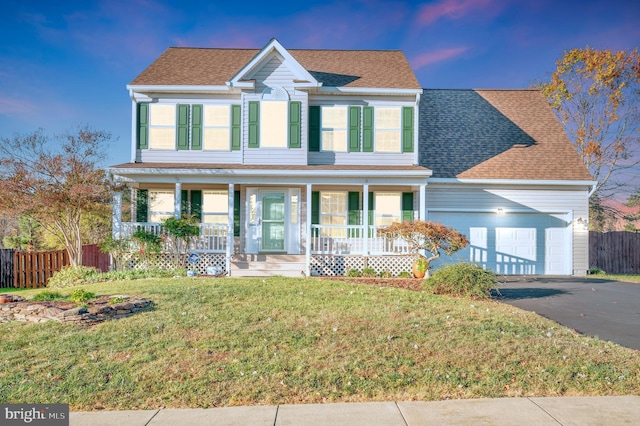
{"type": "Point", "coordinates": [224, 342]}
{"type": "Point", "coordinates": [630, 278]}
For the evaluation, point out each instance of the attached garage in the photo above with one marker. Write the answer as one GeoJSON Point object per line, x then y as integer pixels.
{"type": "Point", "coordinates": [513, 243]}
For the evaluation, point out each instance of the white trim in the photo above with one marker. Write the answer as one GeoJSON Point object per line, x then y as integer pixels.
{"type": "Point", "coordinates": [289, 61]}
{"type": "Point", "coordinates": [134, 126]}
{"type": "Point", "coordinates": [307, 241]}
{"type": "Point", "coordinates": [153, 88]}
{"type": "Point", "coordinates": [512, 182]}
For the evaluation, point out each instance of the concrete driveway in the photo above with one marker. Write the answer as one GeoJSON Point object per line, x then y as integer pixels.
{"type": "Point", "coordinates": [609, 310]}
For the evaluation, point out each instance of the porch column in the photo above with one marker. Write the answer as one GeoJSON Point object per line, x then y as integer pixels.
{"type": "Point", "coordinates": [178, 201]}
{"type": "Point", "coordinates": [307, 245]}
{"type": "Point", "coordinates": [422, 202]}
{"type": "Point", "coordinates": [365, 219]}
{"type": "Point", "coordinates": [116, 216]}
{"type": "Point", "coordinates": [133, 210]}
{"type": "Point", "coordinates": [230, 230]}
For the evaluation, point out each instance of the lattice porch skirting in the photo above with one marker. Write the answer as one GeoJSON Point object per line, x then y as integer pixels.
{"type": "Point", "coordinates": [166, 261]}
{"type": "Point", "coordinates": [336, 265]}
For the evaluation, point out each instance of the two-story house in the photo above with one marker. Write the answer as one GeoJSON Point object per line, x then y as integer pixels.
{"type": "Point", "coordinates": [292, 159]}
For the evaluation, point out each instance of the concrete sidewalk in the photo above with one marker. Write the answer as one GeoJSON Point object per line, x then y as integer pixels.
{"type": "Point", "coordinates": [606, 410]}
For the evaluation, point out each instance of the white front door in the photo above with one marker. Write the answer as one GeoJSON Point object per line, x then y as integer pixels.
{"type": "Point", "coordinates": [273, 220]}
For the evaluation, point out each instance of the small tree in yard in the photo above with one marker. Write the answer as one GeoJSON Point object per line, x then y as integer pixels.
{"type": "Point", "coordinates": [180, 233]}
{"type": "Point", "coordinates": [56, 181]}
{"type": "Point", "coordinates": [432, 237]}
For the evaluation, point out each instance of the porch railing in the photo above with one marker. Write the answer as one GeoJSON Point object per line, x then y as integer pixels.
{"type": "Point", "coordinates": [353, 239]}
{"type": "Point", "coordinates": [212, 239]}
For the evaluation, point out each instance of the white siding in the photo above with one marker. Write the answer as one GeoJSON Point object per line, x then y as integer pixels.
{"type": "Point", "coordinates": [273, 73]}
{"type": "Point", "coordinates": [365, 158]}
{"type": "Point", "coordinates": [190, 156]}
{"type": "Point", "coordinates": [460, 198]}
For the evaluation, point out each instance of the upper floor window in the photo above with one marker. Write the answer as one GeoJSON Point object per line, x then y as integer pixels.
{"type": "Point", "coordinates": [216, 122]}
{"type": "Point", "coordinates": [334, 128]}
{"type": "Point", "coordinates": [162, 126]}
{"type": "Point", "coordinates": [273, 124]}
{"type": "Point", "coordinates": [388, 125]}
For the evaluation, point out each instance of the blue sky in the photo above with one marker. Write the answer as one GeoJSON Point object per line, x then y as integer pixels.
{"type": "Point", "coordinates": [67, 63]}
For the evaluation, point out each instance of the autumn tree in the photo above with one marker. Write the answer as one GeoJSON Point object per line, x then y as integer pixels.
{"type": "Point", "coordinates": [56, 181]}
{"type": "Point", "coordinates": [595, 94]}
{"type": "Point", "coordinates": [433, 237]}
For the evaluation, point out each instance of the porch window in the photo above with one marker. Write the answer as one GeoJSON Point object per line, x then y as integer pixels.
{"type": "Point", "coordinates": [388, 208]}
{"type": "Point", "coordinates": [161, 205]}
{"type": "Point", "coordinates": [215, 207]}
{"type": "Point", "coordinates": [162, 126]}
{"type": "Point", "coordinates": [333, 212]}
{"type": "Point", "coordinates": [388, 124]}
{"type": "Point", "coordinates": [217, 124]}
{"type": "Point", "coordinates": [334, 128]}
{"type": "Point", "coordinates": [273, 124]}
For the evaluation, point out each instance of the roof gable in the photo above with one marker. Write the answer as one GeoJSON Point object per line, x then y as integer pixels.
{"type": "Point", "coordinates": [272, 51]}
{"type": "Point", "coordinates": [495, 134]}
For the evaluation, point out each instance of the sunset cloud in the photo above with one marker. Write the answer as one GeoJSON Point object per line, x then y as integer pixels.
{"type": "Point", "coordinates": [453, 9]}
{"type": "Point", "coordinates": [436, 56]}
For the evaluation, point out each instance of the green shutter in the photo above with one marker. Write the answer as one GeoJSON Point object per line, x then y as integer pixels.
{"type": "Point", "coordinates": [295, 124]}
{"type": "Point", "coordinates": [236, 213]}
{"type": "Point", "coordinates": [354, 128]}
{"type": "Point", "coordinates": [196, 204]}
{"type": "Point", "coordinates": [254, 124]}
{"type": "Point", "coordinates": [367, 129]}
{"type": "Point", "coordinates": [407, 129]}
{"type": "Point", "coordinates": [143, 125]}
{"type": "Point", "coordinates": [371, 213]}
{"type": "Point", "coordinates": [184, 202]}
{"type": "Point", "coordinates": [407, 206]}
{"type": "Point", "coordinates": [354, 208]}
{"type": "Point", "coordinates": [314, 128]}
{"type": "Point", "coordinates": [315, 208]}
{"type": "Point", "coordinates": [142, 202]}
{"type": "Point", "coordinates": [236, 128]}
{"type": "Point", "coordinates": [196, 126]}
{"type": "Point", "coordinates": [182, 127]}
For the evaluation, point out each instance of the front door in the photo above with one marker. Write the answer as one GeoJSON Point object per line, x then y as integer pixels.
{"type": "Point", "coordinates": [273, 224]}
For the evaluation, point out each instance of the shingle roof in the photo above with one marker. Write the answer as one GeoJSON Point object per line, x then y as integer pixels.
{"type": "Point", "coordinates": [335, 68]}
{"type": "Point", "coordinates": [495, 134]}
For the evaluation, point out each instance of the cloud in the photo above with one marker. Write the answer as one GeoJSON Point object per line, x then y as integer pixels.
{"type": "Point", "coordinates": [436, 56]}
{"type": "Point", "coordinates": [454, 9]}
{"type": "Point", "coordinates": [13, 107]}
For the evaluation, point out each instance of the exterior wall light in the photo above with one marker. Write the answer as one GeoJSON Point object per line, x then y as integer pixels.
{"type": "Point", "coordinates": [500, 211]}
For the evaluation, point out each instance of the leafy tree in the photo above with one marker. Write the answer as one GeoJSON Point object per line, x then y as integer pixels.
{"type": "Point", "coordinates": [595, 94]}
{"type": "Point", "coordinates": [56, 181]}
{"type": "Point", "coordinates": [180, 234]}
{"type": "Point", "coordinates": [433, 237]}
{"type": "Point", "coordinates": [27, 236]}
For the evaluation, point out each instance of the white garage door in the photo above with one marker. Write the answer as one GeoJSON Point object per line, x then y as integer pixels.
{"type": "Point", "coordinates": [514, 243]}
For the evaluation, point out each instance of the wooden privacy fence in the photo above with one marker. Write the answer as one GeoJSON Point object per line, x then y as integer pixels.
{"type": "Point", "coordinates": [21, 269]}
{"type": "Point", "coordinates": [615, 252]}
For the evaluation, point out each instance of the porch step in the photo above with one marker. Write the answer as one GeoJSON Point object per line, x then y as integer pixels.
{"type": "Point", "coordinates": [267, 265]}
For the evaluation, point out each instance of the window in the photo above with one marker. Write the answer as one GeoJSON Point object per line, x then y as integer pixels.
{"type": "Point", "coordinates": [215, 207]}
{"type": "Point", "coordinates": [162, 126]}
{"type": "Point", "coordinates": [273, 124]}
{"type": "Point", "coordinates": [388, 126]}
{"type": "Point", "coordinates": [334, 128]}
{"type": "Point", "coordinates": [388, 208]}
{"type": "Point", "coordinates": [216, 127]}
{"type": "Point", "coordinates": [333, 208]}
{"type": "Point", "coordinates": [161, 205]}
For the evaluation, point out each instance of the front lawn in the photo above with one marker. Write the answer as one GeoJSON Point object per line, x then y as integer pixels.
{"type": "Point", "coordinates": [222, 342]}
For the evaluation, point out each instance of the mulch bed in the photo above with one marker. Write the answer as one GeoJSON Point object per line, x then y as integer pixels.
{"type": "Point", "coordinates": [413, 284]}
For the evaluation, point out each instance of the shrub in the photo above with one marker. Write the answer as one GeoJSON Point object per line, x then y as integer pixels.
{"type": "Point", "coordinates": [80, 295]}
{"type": "Point", "coordinates": [385, 274]}
{"type": "Point", "coordinates": [354, 273]}
{"type": "Point", "coordinates": [462, 279]}
{"type": "Point", "coordinates": [369, 272]}
{"type": "Point", "coordinates": [72, 276]}
{"type": "Point", "coordinates": [405, 274]}
{"type": "Point", "coordinates": [47, 295]}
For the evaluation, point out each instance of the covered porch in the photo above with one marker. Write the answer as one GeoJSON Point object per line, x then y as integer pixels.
{"type": "Point", "coordinates": [319, 227]}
